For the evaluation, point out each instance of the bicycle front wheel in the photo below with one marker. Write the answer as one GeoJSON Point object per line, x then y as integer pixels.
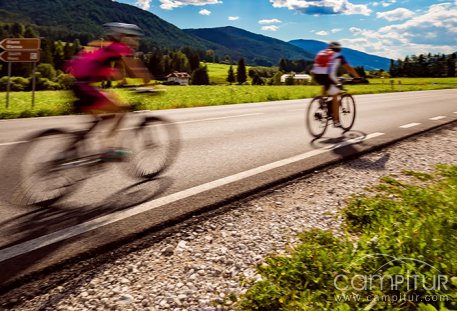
{"type": "Point", "coordinates": [50, 168]}
{"type": "Point", "coordinates": [153, 146]}
{"type": "Point", "coordinates": [347, 111]}
{"type": "Point", "coordinates": [317, 117]}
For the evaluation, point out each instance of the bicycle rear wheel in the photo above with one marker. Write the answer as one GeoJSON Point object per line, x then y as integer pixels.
{"type": "Point", "coordinates": [49, 168]}
{"type": "Point", "coordinates": [347, 111]}
{"type": "Point", "coordinates": [317, 117]}
{"type": "Point", "coordinates": [153, 147]}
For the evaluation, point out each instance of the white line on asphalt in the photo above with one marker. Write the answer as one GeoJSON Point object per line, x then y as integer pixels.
{"type": "Point", "coordinates": [219, 118]}
{"type": "Point", "coordinates": [455, 111]}
{"type": "Point", "coordinates": [13, 143]}
{"type": "Point", "coordinates": [437, 118]}
{"type": "Point", "coordinates": [61, 235]}
{"type": "Point", "coordinates": [409, 125]}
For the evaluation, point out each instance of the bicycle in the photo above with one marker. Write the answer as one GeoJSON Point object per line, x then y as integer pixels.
{"type": "Point", "coordinates": [319, 111]}
{"type": "Point", "coordinates": [151, 142]}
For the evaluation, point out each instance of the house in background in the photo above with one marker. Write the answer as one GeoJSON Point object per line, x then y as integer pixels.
{"type": "Point", "coordinates": [178, 78]}
{"type": "Point", "coordinates": [297, 78]}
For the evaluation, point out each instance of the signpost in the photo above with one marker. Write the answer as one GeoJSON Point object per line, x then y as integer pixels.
{"type": "Point", "coordinates": [20, 44]}
{"type": "Point", "coordinates": [18, 50]}
{"type": "Point", "coordinates": [20, 56]}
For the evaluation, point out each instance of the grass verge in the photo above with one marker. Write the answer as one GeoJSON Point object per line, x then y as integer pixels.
{"type": "Point", "coordinates": [399, 253]}
{"type": "Point", "coordinates": [60, 102]}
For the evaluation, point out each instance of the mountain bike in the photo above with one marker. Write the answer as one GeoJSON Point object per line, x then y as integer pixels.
{"type": "Point", "coordinates": [319, 113]}
{"type": "Point", "coordinates": [58, 160]}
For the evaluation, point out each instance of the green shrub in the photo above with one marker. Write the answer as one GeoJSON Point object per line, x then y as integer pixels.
{"type": "Point", "coordinates": [404, 230]}
{"type": "Point", "coordinates": [16, 84]}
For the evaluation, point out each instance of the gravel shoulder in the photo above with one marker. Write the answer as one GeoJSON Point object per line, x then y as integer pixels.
{"type": "Point", "coordinates": [201, 263]}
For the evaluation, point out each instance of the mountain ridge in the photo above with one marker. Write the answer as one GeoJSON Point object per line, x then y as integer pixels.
{"type": "Point", "coordinates": [256, 48]}
{"type": "Point", "coordinates": [354, 57]}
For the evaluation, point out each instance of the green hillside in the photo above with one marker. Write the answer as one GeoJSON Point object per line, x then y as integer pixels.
{"type": "Point", "coordinates": [83, 19]}
{"type": "Point", "coordinates": [256, 49]}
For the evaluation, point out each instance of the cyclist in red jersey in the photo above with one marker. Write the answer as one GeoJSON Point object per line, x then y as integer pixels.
{"type": "Point", "coordinates": [326, 65]}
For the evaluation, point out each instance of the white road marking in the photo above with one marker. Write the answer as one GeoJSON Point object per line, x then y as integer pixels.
{"type": "Point", "coordinates": [455, 111]}
{"type": "Point", "coordinates": [409, 125]}
{"type": "Point", "coordinates": [437, 118]}
{"type": "Point", "coordinates": [219, 118]}
{"type": "Point", "coordinates": [13, 143]}
{"type": "Point", "coordinates": [63, 234]}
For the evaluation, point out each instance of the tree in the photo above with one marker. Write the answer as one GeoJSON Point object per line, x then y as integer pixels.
{"type": "Point", "coordinates": [256, 80]}
{"type": "Point", "coordinates": [47, 71]}
{"type": "Point", "coordinates": [231, 75]}
{"type": "Point", "coordinates": [451, 59]}
{"type": "Point", "coordinates": [276, 80]}
{"type": "Point", "coordinates": [241, 75]}
{"type": "Point", "coordinates": [200, 76]}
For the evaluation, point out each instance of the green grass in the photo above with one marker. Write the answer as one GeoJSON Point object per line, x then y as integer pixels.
{"type": "Point", "coordinates": [218, 72]}
{"type": "Point", "coordinates": [59, 102]}
{"type": "Point", "coordinates": [410, 220]}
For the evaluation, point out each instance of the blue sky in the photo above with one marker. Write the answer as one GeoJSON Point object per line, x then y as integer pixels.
{"type": "Point", "coordinates": [389, 28]}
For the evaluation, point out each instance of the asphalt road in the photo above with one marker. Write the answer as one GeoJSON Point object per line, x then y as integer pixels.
{"type": "Point", "coordinates": [221, 147]}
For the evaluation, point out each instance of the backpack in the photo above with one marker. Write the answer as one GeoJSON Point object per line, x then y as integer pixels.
{"type": "Point", "coordinates": [324, 57]}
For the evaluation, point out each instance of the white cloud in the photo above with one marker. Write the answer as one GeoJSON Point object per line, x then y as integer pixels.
{"type": "Point", "coordinates": [204, 12]}
{"type": "Point", "coordinates": [435, 31]}
{"type": "Point", "coordinates": [335, 30]}
{"type": "Point", "coordinates": [269, 21]}
{"type": "Point", "coordinates": [323, 7]}
{"type": "Point", "coordinates": [233, 18]}
{"type": "Point", "coordinates": [383, 3]}
{"type": "Point", "coordinates": [270, 28]}
{"type": "Point", "coordinates": [439, 24]}
{"type": "Point", "coordinates": [144, 4]}
{"type": "Point", "coordinates": [173, 4]}
{"type": "Point", "coordinates": [395, 15]}
{"type": "Point", "coordinates": [322, 33]}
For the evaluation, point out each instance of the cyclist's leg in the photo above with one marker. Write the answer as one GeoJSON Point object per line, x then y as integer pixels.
{"type": "Point", "coordinates": [334, 91]}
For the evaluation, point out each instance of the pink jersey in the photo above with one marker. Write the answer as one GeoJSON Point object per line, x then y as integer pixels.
{"type": "Point", "coordinates": [94, 66]}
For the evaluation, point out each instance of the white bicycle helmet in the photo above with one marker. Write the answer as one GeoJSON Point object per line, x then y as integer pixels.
{"type": "Point", "coordinates": [115, 31]}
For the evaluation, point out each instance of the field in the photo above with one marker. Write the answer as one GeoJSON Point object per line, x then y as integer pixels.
{"type": "Point", "coordinates": [59, 102]}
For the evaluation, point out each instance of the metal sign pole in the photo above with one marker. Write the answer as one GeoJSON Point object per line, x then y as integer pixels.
{"type": "Point", "coordinates": [8, 86]}
{"type": "Point", "coordinates": [33, 84]}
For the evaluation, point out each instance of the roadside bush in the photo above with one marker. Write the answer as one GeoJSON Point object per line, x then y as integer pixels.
{"type": "Point", "coordinates": [65, 81]}
{"type": "Point", "coordinates": [402, 230]}
{"type": "Point", "coordinates": [16, 84]}
{"type": "Point", "coordinates": [46, 84]}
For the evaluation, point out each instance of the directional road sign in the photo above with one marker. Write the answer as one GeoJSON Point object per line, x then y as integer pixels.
{"type": "Point", "coordinates": [20, 44]}
{"type": "Point", "coordinates": [20, 56]}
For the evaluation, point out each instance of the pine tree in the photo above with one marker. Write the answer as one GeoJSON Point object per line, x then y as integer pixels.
{"type": "Point", "coordinates": [231, 75]}
{"type": "Point", "coordinates": [241, 75]}
{"type": "Point", "coordinates": [200, 76]}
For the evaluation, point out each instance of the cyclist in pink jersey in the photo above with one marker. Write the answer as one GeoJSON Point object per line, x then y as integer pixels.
{"type": "Point", "coordinates": [325, 67]}
{"type": "Point", "coordinates": [113, 61]}
{"type": "Point", "coordinates": [105, 64]}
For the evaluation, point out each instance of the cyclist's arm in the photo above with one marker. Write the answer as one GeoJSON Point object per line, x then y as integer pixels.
{"type": "Point", "coordinates": [351, 70]}
{"type": "Point", "coordinates": [136, 69]}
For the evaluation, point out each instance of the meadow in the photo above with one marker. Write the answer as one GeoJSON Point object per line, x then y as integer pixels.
{"type": "Point", "coordinates": [59, 102]}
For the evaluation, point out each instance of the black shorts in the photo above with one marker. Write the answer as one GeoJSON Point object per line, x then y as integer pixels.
{"type": "Point", "coordinates": [324, 80]}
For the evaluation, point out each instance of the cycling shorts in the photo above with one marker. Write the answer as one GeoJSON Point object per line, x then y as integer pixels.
{"type": "Point", "coordinates": [327, 83]}
{"type": "Point", "coordinates": [91, 99]}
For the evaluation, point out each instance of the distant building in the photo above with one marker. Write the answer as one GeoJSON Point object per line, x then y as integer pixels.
{"type": "Point", "coordinates": [298, 78]}
{"type": "Point", "coordinates": [179, 78]}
